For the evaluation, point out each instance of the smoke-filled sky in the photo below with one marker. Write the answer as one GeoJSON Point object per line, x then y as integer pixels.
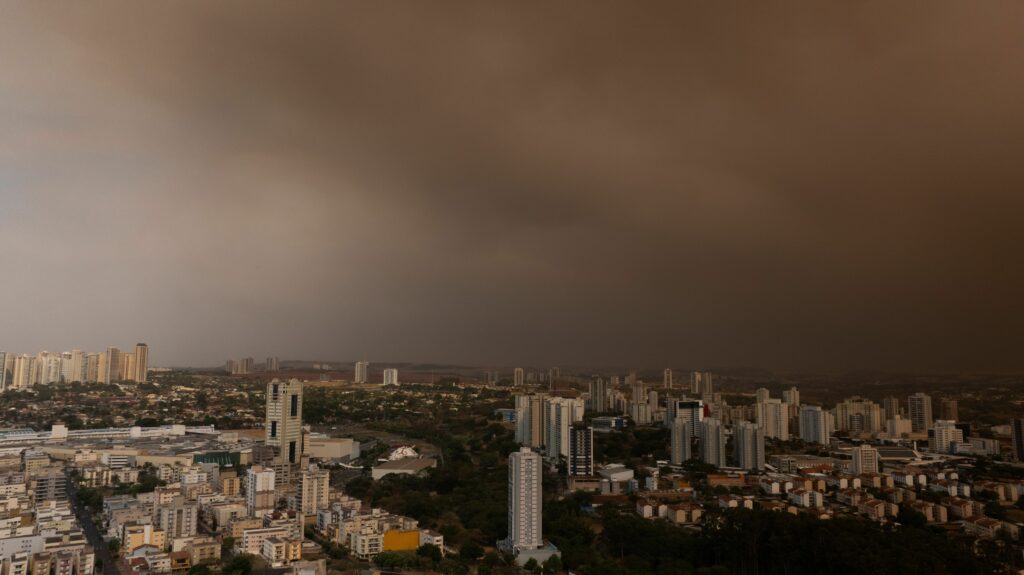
{"type": "Point", "coordinates": [687, 184]}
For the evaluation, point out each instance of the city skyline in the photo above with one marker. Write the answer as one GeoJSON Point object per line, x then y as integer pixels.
{"type": "Point", "coordinates": [764, 187]}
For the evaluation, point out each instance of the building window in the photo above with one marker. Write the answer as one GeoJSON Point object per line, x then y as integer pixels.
{"type": "Point", "coordinates": [295, 405]}
{"type": "Point", "coordinates": [291, 452]}
{"type": "Point", "coordinates": [273, 429]}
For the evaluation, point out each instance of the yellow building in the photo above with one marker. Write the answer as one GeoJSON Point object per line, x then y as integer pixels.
{"type": "Point", "coordinates": [135, 536]}
{"type": "Point", "coordinates": [396, 540]}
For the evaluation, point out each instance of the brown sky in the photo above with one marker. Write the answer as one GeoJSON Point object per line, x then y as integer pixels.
{"type": "Point", "coordinates": [690, 183]}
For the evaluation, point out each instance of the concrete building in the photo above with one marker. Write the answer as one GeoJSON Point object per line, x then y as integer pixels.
{"type": "Point", "coordinates": [361, 372]}
{"type": "Point", "coordinates": [858, 415]}
{"type": "Point", "coordinates": [272, 365]}
{"type": "Point", "coordinates": [581, 451]}
{"type": "Point", "coordinates": [312, 492]}
{"type": "Point", "coordinates": [919, 407]}
{"type": "Point", "coordinates": [690, 411]}
{"type": "Point", "coordinates": [865, 460]}
{"type": "Point", "coordinates": [599, 395]}
{"type": "Point", "coordinates": [525, 470]}
{"type": "Point", "coordinates": [141, 372]}
{"type": "Point", "coordinates": [748, 442]}
{"type": "Point", "coordinates": [284, 419]}
{"type": "Point", "coordinates": [1017, 438]}
{"type": "Point", "coordinates": [518, 377]}
{"type": "Point", "coordinates": [814, 424]}
{"type": "Point", "coordinates": [712, 442]}
{"type": "Point", "coordinates": [681, 441]}
{"type": "Point", "coordinates": [391, 376]}
{"type": "Point", "coordinates": [949, 410]}
{"type": "Point", "coordinates": [260, 496]}
{"type": "Point", "coordinates": [772, 415]}
{"type": "Point", "coordinates": [946, 436]}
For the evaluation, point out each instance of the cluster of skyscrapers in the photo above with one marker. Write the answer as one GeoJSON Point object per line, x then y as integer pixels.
{"type": "Point", "coordinates": [22, 371]}
{"type": "Point", "coordinates": [247, 365]}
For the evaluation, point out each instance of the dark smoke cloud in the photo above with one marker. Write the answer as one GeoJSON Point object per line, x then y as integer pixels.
{"type": "Point", "coordinates": [688, 184]}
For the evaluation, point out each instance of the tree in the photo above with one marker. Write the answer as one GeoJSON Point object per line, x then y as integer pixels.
{"type": "Point", "coordinates": [553, 564]}
{"type": "Point", "coordinates": [911, 517]}
{"type": "Point", "coordinates": [471, 550]}
{"type": "Point", "coordinates": [995, 510]}
{"type": "Point", "coordinates": [431, 551]}
{"type": "Point", "coordinates": [239, 565]}
{"type": "Point", "coordinates": [532, 566]}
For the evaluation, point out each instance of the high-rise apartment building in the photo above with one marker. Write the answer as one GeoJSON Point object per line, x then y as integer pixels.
{"type": "Point", "coordinates": [273, 364]}
{"type": "Point", "coordinates": [178, 518]}
{"type": "Point", "coordinates": [865, 460]}
{"type": "Point", "coordinates": [666, 378]}
{"type": "Point", "coordinates": [312, 493]}
{"type": "Point", "coordinates": [561, 414]}
{"type": "Point", "coordinates": [24, 372]}
{"type": "Point", "coordinates": [772, 415]}
{"type": "Point", "coordinates": [141, 374]}
{"type": "Point", "coordinates": [791, 396]}
{"type": "Point", "coordinates": [689, 410]}
{"type": "Point", "coordinates": [712, 442]}
{"type": "Point", "coordinates": [681, 441]}
{"type": "Point", "coordinates": [762, 395]}
{"type": "Point", "coordinates": [245, 366]}
{"type": "Point", "coordinates": [361, 373]}
{"type": "Point", "coordinates": [92, 366]}
{"type": "Point", "coordinates": [1017, 437]}
{"type": "Point", "coordinates": [949, 410]}
{"type": "Point", "coordinates": [701, 383]}
{"type": "Point", "coordinates": [284, 419]}
{"type": "Point", "coordinates": [891, 407]}
{"type": "Point", "coordinates": [112, 369]}
{"type": "Point", "coordinates": [530, 419]}
{"type": "Point", "coordinates": [814, 424]}
{"type": "Point", "coordinates": [919, 407]}
{"type": "Point", "coordinates": [4, 374]}
{"type": "Point", "coordinates": [127, 371]}
{"type": "Point", "coordinates": [581, 451]}
{"type": "Point", "coordinates": [945, 436]}
{"type": "Point", "coordinates": [599, 395]}
{"type": "Point", "coordinates": [525, 470]}
{"type": "Point", "coordinates": [260, 484]}
{"type": "Point", "coordinates": [391, 376]}
{"type": "Point", "coordinates": [748, 443]}
{"type": "Point", "coordinates": [858, 415]}
{"type": "Point", "coordinates": [518, 377]}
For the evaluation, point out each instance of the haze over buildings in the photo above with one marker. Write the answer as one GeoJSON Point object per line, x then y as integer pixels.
{"type": "Point", "coordinates": [773, 175]}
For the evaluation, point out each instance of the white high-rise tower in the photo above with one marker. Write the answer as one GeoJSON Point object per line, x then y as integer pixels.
{"type": "Point", "coordinates": [525, 469]}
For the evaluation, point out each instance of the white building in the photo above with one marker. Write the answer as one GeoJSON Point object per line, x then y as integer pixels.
{"type": "Point", "coordinates": [865, 460]}
{"type": "Point", "coordinates": [525, 469]}
{"type": "Point", "coordinates": [362, 372]}
{"type": "Point", "coordinates": [712, 442]}
{"type": "Point", "coordinates": [391, 376]}
{"type": "Point", "coordinates": [813, 424]}
{"type": "Point", "coordinates": [748, 441]}
{"type": "Point", "coordinates": [772, 415]}
{"type": "Point", "coordinates": [681, 441]}
{"type": "Point", "coordinates": [946, 437]}
{"type": "Point", "coordinates": [259, 490]}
